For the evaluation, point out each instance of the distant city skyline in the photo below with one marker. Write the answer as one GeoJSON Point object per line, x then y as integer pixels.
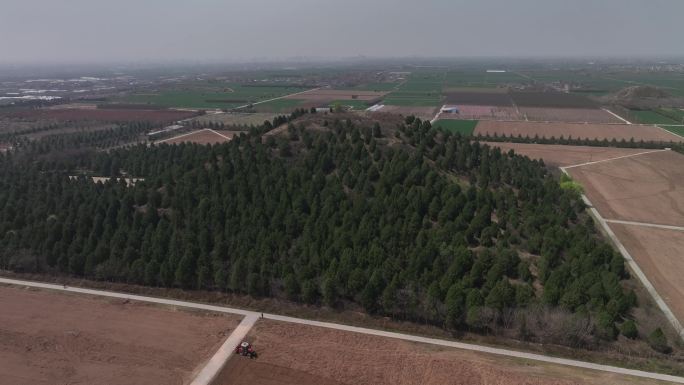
{"type": "Point", "coordinates": [95, 31]}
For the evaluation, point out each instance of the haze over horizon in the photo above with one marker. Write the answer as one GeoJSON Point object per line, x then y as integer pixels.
{"type": "Point", "coordinates": [41, 31]}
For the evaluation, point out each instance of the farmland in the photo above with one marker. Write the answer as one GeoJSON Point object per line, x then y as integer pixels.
{"type": "Point", "coordinates": [568, 115]}
{"type": "Point", "coordinates": [422, 88]}
{"type": "Point", "coordinates": [645, 188]}
{"type": "Point", "coordinates": [223, 96]}
{"type": "Point", "coordinates": [652, 117]}
{"type": "Point", "coordinates": [577, 131]}
{"type": "Point", "coordinates": [205, 136]}
{"type": "Point", "coordinates": [102, 115]}
{"type": "Point", "coordinates": [237, 119]}
{"type": "Point", "coordinates": [50, 338]}
{"type": "Point", "coordinates": [557, 155]}
{"type": "Point", "coordinates": [464, 127]}
{"type": "Point", "coordinates": [302, 354]}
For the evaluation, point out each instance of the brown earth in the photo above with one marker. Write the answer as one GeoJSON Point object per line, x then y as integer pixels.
{"type": "Point", "coordinates": [645, 188]}
{"type": "Point", "coordinates": [56, 338]}
{"type": "Point", "coordinates": [323, 95]}
{"type": "Point", "coordinates": [658, 252]}
{"type": "Point", "coordinates": [570, 115]}
{"type": "Point", "coordinates": [104, 115]}
{"type": "Point", "coordinates": [575, 130]}
{"type": "Point", "coordinates": [301, 354]}
{"type": "Point", "coordinates": [424, 113]}
{"type": "Point", "coordinates": [551, 99]}
{"type": "Point", "coordinates": [559, 155]}
{"type": "Point", "coordinates": [205, 136]}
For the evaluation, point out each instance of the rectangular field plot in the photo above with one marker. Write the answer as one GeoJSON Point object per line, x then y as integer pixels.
{"type": "Point", "coordinates": [551, 99]}
{"type": "Point", "coordinates": [226, 96]}
{"type": "Point", "coordinates": [645, 188]}
{"type": "Point", "coordinates": [476, 112]}
{"type": "Point", "coordinates": [658, 252]}
{"type": "Point", "coordinates": [55, 338]}
{"type": "Point", "coordinates": [463, 127]}
{"type": "Point", "coordinates": [575, 130]}
{"type": "Point", "coordinates": [478, 98]}
{"type": "Point", "coordinates": [569, 115]}
{"type": "Point", "coordinates": [651, 117]}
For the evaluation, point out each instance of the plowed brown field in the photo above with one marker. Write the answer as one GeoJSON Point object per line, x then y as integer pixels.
{"type": "Point", "coordinates": [560, 155]}
{"type": "Point", "coordinates": [644, 188]}
{"type": "Point", "coordinates": [205, 136]}
{"type": "Point", "coordinates": [299, 354]}
{"type": "Point", "coordinates": [105, 115]}
{"type": "Point", "coordinates": [54, 338]}
{"type": "Point", "coordinates": [660, 255]}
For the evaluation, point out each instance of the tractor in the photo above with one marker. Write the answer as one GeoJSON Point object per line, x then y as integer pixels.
{"type": "Point", "coordinates": [246, 349]}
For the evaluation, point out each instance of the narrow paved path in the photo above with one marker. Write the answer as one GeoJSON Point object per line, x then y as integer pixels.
{"type": "Point", "coordinates": [214, 366]}
{"type": "Point", "coordinates": [330, 325]}
{"type": "Point", "coordinates": [666, 227]}
{"type": "Point", "coordinates": [617, 116]}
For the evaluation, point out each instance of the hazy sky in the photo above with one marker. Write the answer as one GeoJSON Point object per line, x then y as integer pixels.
{"type": "Point", "coordinates": [240, 30]}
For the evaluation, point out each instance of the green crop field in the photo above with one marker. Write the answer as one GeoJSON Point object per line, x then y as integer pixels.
{"type": "Point", "coordinates": [421, 89]}
{"type": "Point", "coordinates": [354, 104]}
{"type": "Point", "coordinates": [464, 127]}
{"type": "Point", "coordinates": [673, 113]}
{"type": "Point", "coordinates": [376, 87]}
{"type": "Point", "coordinates": [651, 117]}
{"type": "Point", "coordinates": [222, 95]}
{"type": "Point", "coordinates": [677, 130]}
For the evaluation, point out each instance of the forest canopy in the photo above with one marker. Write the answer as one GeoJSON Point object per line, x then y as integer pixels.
{"type": "Point", "coordinates": [411, 222]}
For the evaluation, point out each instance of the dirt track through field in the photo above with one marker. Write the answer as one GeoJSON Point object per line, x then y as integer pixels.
{"type": "Point", "coordinates": [56, 338]}
{"type": "Point", "coordinates": [646, 188]}
{"type": "Point", "coordinates": [561, 155]}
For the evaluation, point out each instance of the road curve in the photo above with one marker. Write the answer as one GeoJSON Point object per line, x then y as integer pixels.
{"type": "Point", "coordinates": [330, 325]}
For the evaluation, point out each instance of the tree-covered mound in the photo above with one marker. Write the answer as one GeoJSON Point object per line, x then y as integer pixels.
{"type": "Point", "coordinates": [411, 222]}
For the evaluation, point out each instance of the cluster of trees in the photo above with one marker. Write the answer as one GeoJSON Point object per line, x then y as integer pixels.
{"type": "Point", "coordinates": [423, 225]}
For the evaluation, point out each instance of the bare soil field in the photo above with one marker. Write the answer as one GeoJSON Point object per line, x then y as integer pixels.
{"type": "Point", "coordinates": [658, 252]}
{"type": "Point", "coordinates": [576, 131]}
{"type": "Point", "coordinates": [570, 115]}
{"type": "Point", "coordinates": [479, 98]}
{"type": "Point", "coordinates": [56, 338]}
{"type": "Point", "coordinates": [205, 136]}
{"type": "Point", "coordinates": [482, 112]}
{"type": "Point", "coordinates": [420, 112]}
{"type": "Point", "coordinates": [105, 115]}
{"type": "Point", "coordinates": [300, 354]}
{"type": "Point", "coordinates": [558, 155]}
{"type": "Point", "coordinates": [551, 99]}
{"type": "Point", "coordinates": [327, 95]}
{"type": "Point", "coordinates": [645, 188]}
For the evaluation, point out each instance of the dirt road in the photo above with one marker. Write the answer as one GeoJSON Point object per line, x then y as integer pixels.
{"type": "Point", "coordinates": [381, 333]}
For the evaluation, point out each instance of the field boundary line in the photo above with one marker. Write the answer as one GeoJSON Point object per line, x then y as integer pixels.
{"type": "Point", "coordinates": [182, 135]}
{"type": "Point", "coordinates": [218, 361]}
{"type": "Point", "coordinates": [330, 325]}
{"type": "Point", "coordinates": [645, 224]}
{"type": "Point", "coordinates": [616, 158]}
{"type": "Point", "coordinates": [617, 116]}
{"type": "Point", "coordinates": [219, 134]}
{"type": "Point", "coordinates": [634, 266]}
{"type": "Point", "coordinates": [279, 97]}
